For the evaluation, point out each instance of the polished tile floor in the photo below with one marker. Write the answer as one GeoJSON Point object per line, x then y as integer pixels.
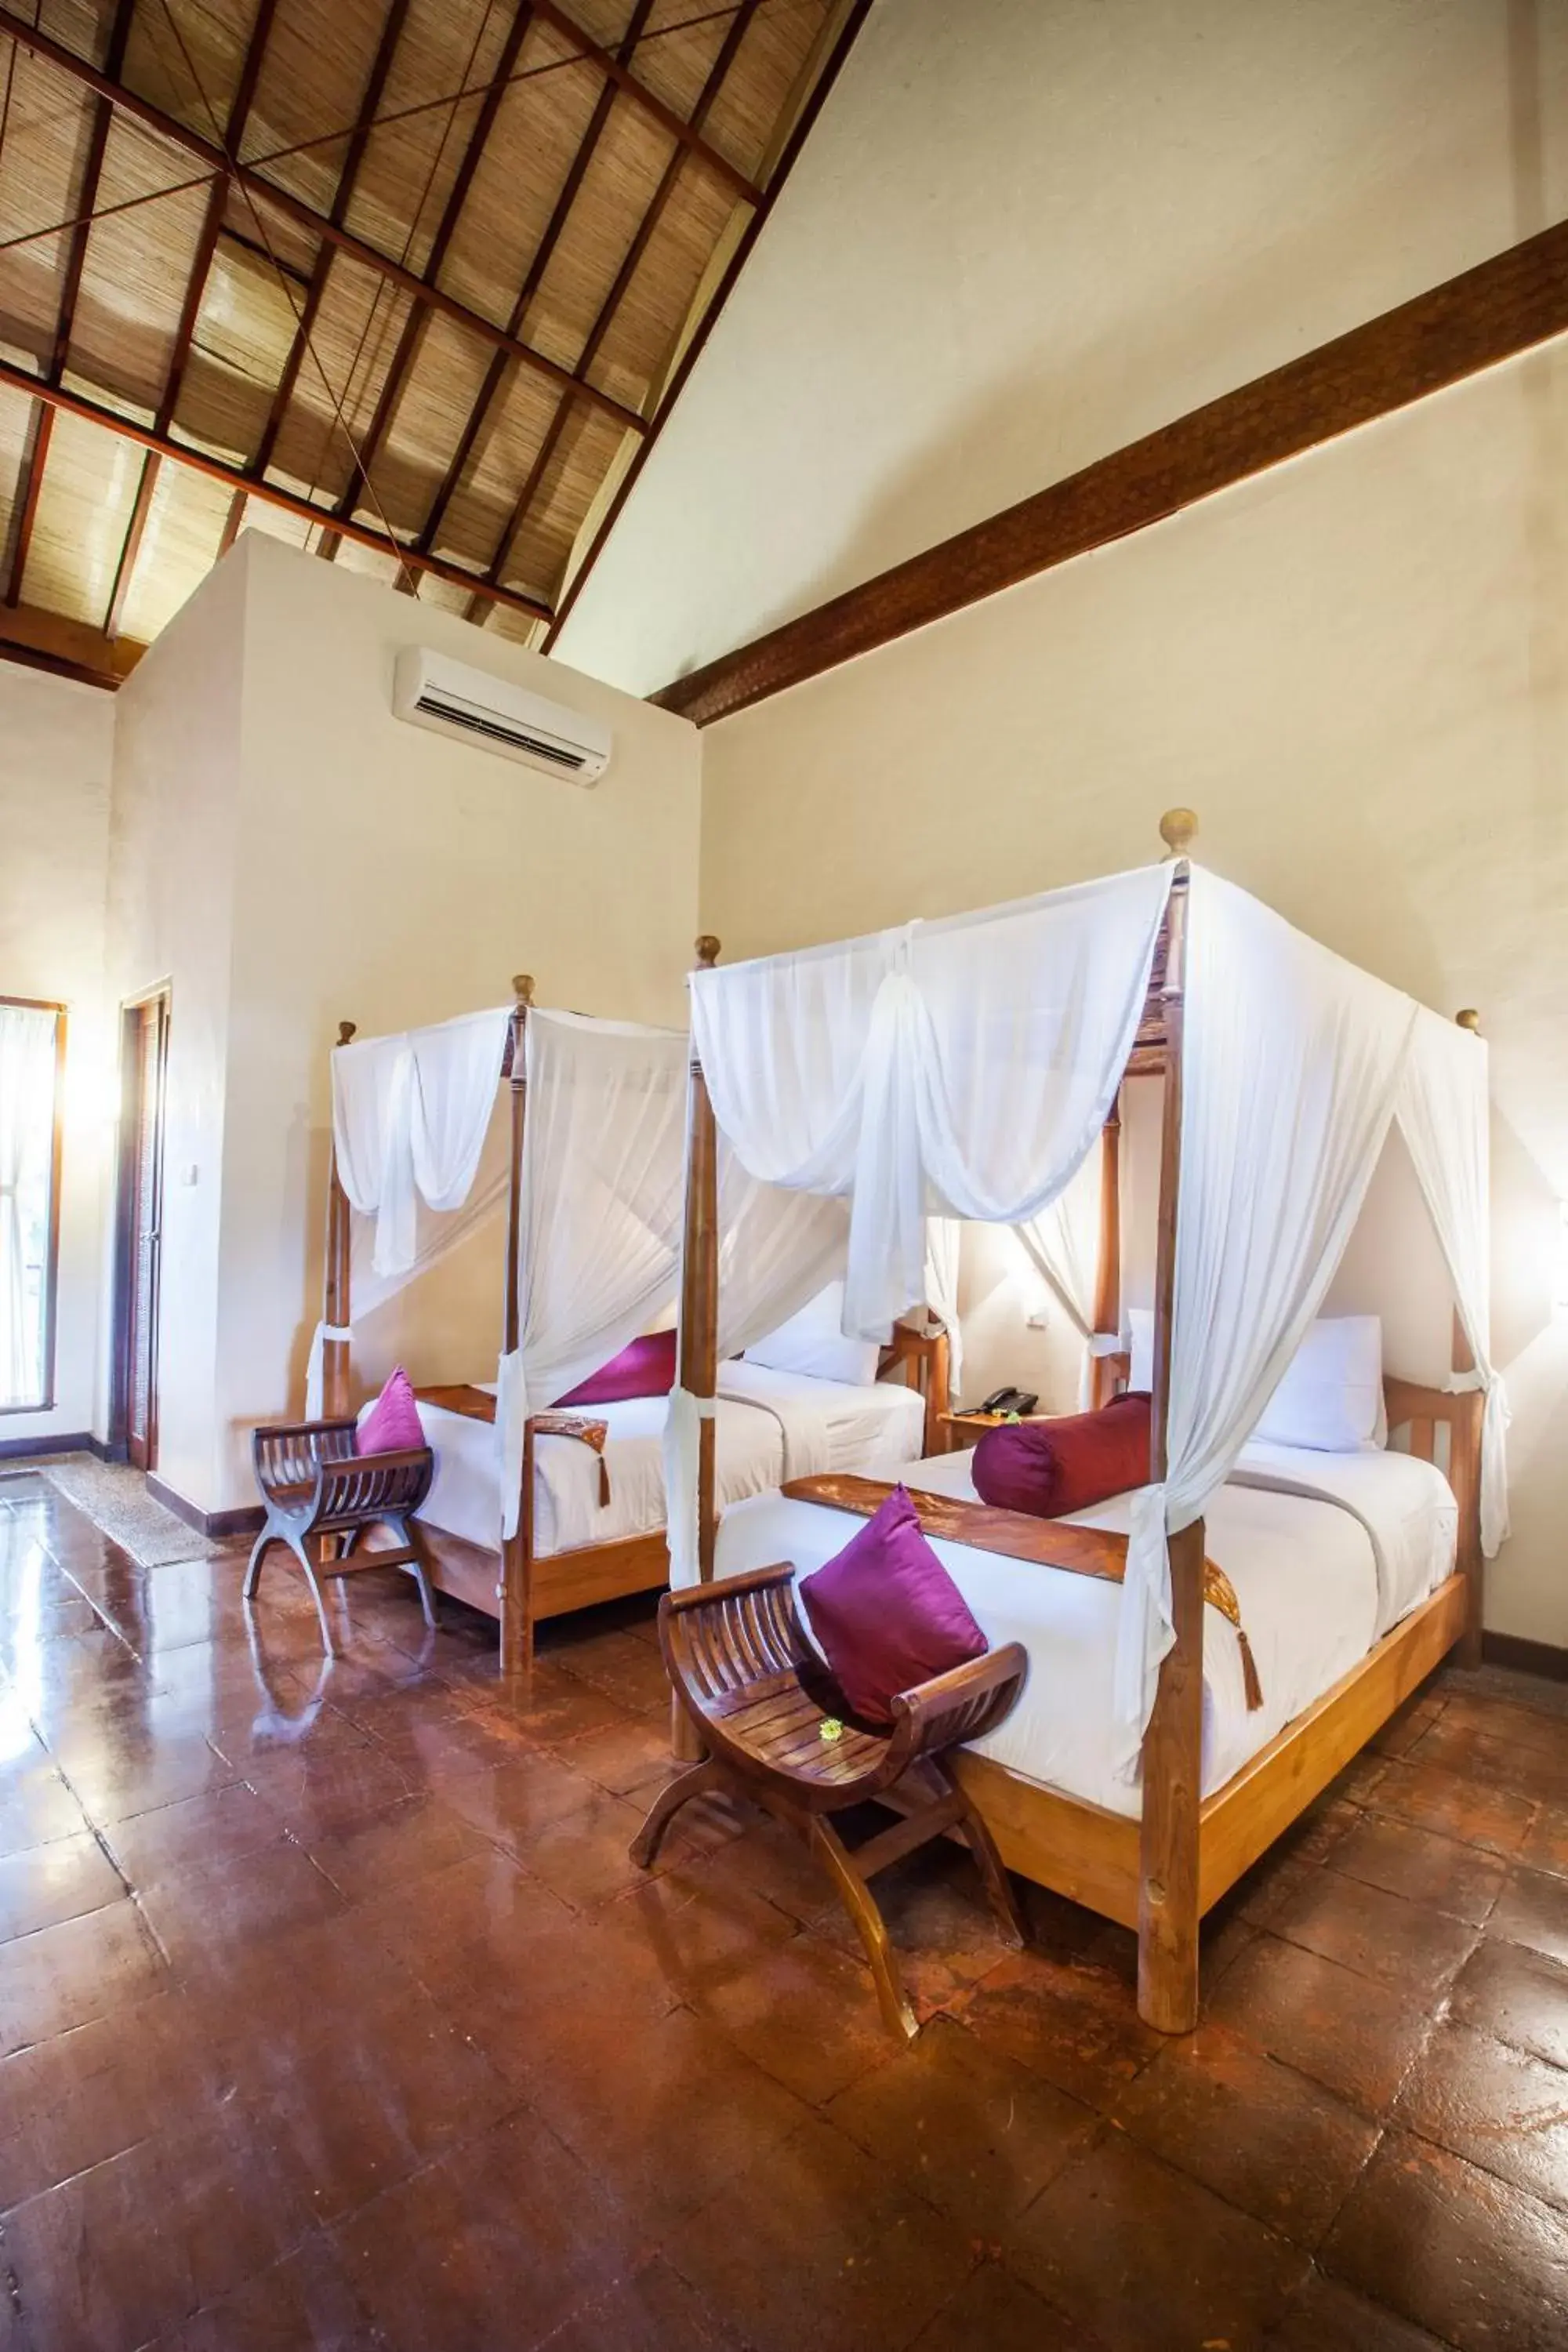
{"type": "Point", "coordinates": [333, 2012]}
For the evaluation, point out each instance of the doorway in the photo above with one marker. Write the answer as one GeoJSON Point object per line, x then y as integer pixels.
{"type": "Point", "coordinates": [144, 1065]}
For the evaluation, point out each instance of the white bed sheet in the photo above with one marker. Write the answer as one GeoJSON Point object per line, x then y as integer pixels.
{"type": "Point", "coordinates": [875, 1431]}
{"type": "Point", "coordinates": [1306, 1575]}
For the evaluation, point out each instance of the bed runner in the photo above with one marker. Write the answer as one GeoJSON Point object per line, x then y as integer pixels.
{"type": "Point", "coordinates": [1014, 1535]}
{"type": "Point", "coordinates": [478, 1405]}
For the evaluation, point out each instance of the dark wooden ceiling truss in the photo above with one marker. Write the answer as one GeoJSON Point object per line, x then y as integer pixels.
{"type": "Point", "coordinates": [417, 305]}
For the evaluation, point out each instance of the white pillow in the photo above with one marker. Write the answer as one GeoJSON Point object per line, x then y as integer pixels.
{"type": "Point", "coordinates": [1331, 1398]}
{"type": "Point", "coordinates": [812, 1342]}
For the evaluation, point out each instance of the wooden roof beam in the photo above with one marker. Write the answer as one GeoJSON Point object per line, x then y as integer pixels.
{"type": "Point", "coordinates": [67, 649]}
{"type": "Point", "coordinates": [263, 191]}
{"type": "Point", "coordinates": [1487, 315]}
{"type": "Point", "coordinates": [688, 134]}
{"type": "Point", "coordinates": [500, 370]}
{"type": "Point", "coordinates": [26, 512]}
{"type": "Point", "coordinates": [410, 341]}
{"type": "Point", "coordinates": [190, 312]}
{"type": "Point", "coordinates": [740, 25]}
{"type": "Point", "coordinates": [270, 493]}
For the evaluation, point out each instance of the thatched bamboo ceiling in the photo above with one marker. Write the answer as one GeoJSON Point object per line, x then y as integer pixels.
{"type": "Point", "coordinates": [405, 281]}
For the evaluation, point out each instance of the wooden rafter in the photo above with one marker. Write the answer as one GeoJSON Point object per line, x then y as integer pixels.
{"type": "Point", "coordinates": [499, 373]}
{"type": "Point", "coordinates": [1485, 316]}
{"type": "Point", "coordinates": [410, 341]}
{"type": "Point", "coordinates": [816, 97]}
{"type": "Point", "coordinates": [190, 312]}
{"type": "Point", "coordinates": [26, 514]}
{"type": "Point", "coordinates": [653, 213]}
{"type": "Point", "coordinates": [316, 224]}
{"type": "Point", "coordinates": [688, 134]}
{"type": "Point", "coordinates": [270, 493]}
{"type": "Point", "coordinates": [48, 641]}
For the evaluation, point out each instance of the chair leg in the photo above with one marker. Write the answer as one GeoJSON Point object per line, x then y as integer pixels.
{"type": "Point", "coordinates": [993, 1872]}
{"type": "Point", "coordinates": [258, 1551]}
{"type": "Point", "coordinates": [861, 1905]}
{"type": "Point", "coordinates": [314, 1581]}
{"type": "Point", "coordinates": [417, 1568]}
{"type": "Point", "coordinates": [702, 1776]}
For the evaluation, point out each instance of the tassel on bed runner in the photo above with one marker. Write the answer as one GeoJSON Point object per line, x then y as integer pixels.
{"type": "Point", "coordinates": [1017, 1535]}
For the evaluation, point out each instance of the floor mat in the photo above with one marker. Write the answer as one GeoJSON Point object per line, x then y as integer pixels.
{"type": "Point", "coordinates": [115, 1499]}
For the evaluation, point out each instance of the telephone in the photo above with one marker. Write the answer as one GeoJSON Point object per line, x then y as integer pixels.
{"type": "Point", "coordinates": [1010, 1401]}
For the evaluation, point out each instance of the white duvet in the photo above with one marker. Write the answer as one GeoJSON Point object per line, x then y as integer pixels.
{"type": "Point", "coordinates": [1325, 1551]}
{"type": "Point", "coordinates": [769, 1426]}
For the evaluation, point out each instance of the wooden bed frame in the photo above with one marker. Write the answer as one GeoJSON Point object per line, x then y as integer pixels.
{"type": "Point", "coordinates": [513, 1582]}
{"type": "Point", "coordinates": [1158, 1874]}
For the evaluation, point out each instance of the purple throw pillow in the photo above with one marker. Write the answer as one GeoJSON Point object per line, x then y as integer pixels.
{"type": "Point", "coordinates": [1052, 1468]}
{"type": "Point", "coordinates": [886, 1613]}
{"type": "Point", "coordinates": [645, 1369]}
{"type": "Point", "coordinates": [393, 1422]}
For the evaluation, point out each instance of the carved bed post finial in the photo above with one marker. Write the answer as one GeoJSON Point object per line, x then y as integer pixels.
{"type": "Point", "coordinates": [522, 987]}
{"type": "Point", "coordinates": [1178, 830]}
{"type": "Point", "coordinates": [706, 951]}
{"type": "Point", "coordinates": [346, 1031]}
{"type": "Point", "coordinates": [1469, 1019]}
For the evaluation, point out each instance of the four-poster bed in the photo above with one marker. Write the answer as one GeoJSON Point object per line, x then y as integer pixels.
{"type": "Point", "coordinates": [1354, 1052]}
{"type": "Point", "coordinates": [533, 1514]}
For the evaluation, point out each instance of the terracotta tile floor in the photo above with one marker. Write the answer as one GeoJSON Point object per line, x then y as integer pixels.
{"type": "Point", "coordinates": [334, 2012]}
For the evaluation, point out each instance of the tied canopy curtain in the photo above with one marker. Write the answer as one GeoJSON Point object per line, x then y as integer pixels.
{"type": "Point", "coordinates": [1444, 1115]}
{"type": "Point", "coordinates": [1293, 1064]}
{"type": "Point", "coordinates": [409, 1118]}
{"type": "Point", "coordinates": [1062, 1246]}
{"type": "Point", "coordinates": [960, 1069]}
{"type": "Point", "coordinates": [944, 1256]}
{"type": "Point", "coordinates": [601, 1213]}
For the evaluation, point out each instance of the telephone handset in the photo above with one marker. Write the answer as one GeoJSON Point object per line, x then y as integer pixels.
{"type": "Point", "coordinates": [1010, 1401]}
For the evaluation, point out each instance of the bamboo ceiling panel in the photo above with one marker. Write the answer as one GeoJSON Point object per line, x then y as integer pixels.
{"type": "Point", "coordinates": [421, 265]}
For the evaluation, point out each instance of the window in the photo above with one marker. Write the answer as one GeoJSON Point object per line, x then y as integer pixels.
{"type": "Point", "coordinates": [32, 1059]}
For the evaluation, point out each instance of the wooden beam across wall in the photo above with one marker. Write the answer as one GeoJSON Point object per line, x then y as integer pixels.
{"type": "Point", "coordinates": [48, 641]}
{"type": "Point", "coordinates": [1485, 316]}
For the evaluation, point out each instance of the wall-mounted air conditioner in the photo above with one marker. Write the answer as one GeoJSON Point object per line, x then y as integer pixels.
{"type": "Point", "coordinates": [432, 691]}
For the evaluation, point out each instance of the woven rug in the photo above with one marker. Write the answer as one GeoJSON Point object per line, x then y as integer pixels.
{"type": "Point", "coordinates": [115, 1499]}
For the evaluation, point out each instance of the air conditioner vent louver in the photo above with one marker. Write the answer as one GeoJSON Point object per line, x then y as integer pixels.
{"type": "Point", "coordinates": [451, 699]}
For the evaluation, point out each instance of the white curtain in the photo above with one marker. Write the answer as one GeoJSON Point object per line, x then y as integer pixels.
{"type": "Point", "coordinates": [1445, 1115]}
{"type": "Point", "coordinates": [1291, 1067]}
{"type": "Point", "coordinates": [27, 1146]}
{"type": "Point", "coordinates": [960, 1069]}
{"type": "Point", "coordinates": [945, 1254]}
{"type": "Point", "coordinates": [602, 1208]}
{"type": "Point", "coordinates": [1062, 1245]}
{"type": "Point", "coordinates": [409, 1116]}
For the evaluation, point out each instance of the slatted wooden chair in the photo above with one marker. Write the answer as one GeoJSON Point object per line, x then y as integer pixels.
{"type": "Point", "coordinates": [317, 1491]}
{"type": "Point", "coordinates": [778, 1729]}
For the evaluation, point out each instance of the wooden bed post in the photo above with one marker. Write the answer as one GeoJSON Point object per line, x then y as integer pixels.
{"type": "Point", "coordinates": [517, 1550]}
{"type": "Point", "coordinates": [1467, 1462]}
{"type": "Point", "coordinates": [336, 1294]}
{"type": "Point", "coordinates": [1168, 1904]}
{"type": "Point", "coordinates": [700, 1323]}
{"type": "Point", "coordinates": [1108, 1270]}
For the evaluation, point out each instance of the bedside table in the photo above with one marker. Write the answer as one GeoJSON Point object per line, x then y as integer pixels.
{"type": "Point", "coordinates": [962, 1429]}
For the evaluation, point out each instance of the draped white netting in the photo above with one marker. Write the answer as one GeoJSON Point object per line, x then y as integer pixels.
{"type": "Point", "coordinates": [966, 1068]}
{"type": "Point", "coordinates": [1062, 1245]}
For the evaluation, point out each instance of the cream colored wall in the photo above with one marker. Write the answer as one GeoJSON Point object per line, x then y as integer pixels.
{"type": "Point", "coordinates": [174, 833]}
{"type": "Point", "coordinates": [1021, 235]}
{"type": "Point", "coordinates": [55, 750]}
{"type": "Point", "coordinates": [1356, 668]}
{"type": "Point", "coordinates": [388, 876]}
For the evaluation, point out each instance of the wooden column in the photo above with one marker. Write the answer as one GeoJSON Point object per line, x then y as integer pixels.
{"type": "Point", "coordinates": [1168, 1911]}
{"type": "Point", "coordinates": [700, 1323]}
{"type": "Point", "coordinates": [1466, 1483]}
{"type": "Point", "coordinates": [517, 1550]}
{"type": "Point", "coordinates": [1107, 1269]}
{"type": "Point", "coordinates": [337, 1301]}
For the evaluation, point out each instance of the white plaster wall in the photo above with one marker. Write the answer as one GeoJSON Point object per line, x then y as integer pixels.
{"type": "Point", "coordinates": [1356, 668]}
{"type": "Point", "coordinates": [1023, 235]}
{"type": "Point", "coordinates": [388, 876]}
{"type": "Point", "coordinates": [56, 740]}
{"type": "Point", "coordinates": [172, 906]}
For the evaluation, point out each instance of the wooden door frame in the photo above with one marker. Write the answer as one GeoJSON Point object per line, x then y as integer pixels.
{"type": "Point", "coordinates": [124, 1314]}
{"type": "Point", "coordinates": [56, 1165]}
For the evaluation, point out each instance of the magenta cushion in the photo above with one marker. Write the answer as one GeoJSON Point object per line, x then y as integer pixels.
{"type": "Point", "coordinates": [1051, 1468]}
{"type": "Point", "coordinates": [645, 1369]}
{"type": "Point", "coordinates": [393, 1422]}
{"type": "Point", "coordinates": [886, 1613]}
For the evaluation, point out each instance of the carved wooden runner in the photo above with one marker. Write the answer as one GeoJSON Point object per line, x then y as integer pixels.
{"type": "Point", "coordinates": [478, 1405]}
{"type": "Point", "coordinates": [1014, 1535]}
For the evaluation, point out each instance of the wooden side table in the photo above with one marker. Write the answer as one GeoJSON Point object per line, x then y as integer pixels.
{"type": "Point", "coordinates": [962, 1429]}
